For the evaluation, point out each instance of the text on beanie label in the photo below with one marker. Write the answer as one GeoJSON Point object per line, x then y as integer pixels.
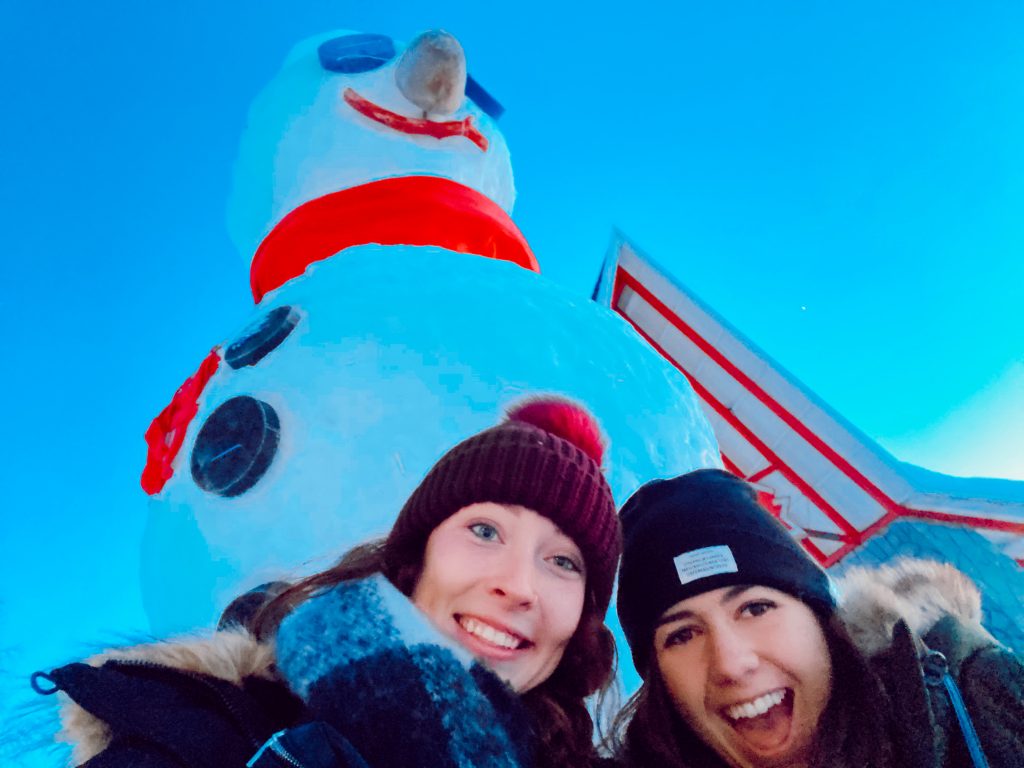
{"type": "Point", "coordinates": [704, 562]}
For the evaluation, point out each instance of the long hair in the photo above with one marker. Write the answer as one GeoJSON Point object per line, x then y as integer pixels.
{"type": "Point", "coordinates": [855, 730]}
{"type": "Point", "coordinates": [563, 727]}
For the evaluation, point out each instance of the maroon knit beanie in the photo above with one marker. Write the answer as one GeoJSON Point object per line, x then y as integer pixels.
{"type": "Point", "coordinates": [545, 456]}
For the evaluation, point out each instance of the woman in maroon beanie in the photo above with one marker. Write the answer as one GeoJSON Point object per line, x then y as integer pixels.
{"type": "Point", "coordinates": [532, 609]}
{"type": "Point", "coordinates": [508, 548]}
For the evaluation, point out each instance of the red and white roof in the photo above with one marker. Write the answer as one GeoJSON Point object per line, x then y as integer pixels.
{"type": "Point", "coordinates": [832, 485]}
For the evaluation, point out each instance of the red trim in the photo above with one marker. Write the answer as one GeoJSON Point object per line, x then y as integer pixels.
{"type": "Point", "coordinates": [407, 210]}
{"type": "Point", "coordinates": [167, 431]}
{"type": "Point", "coordinates": [617, 288]}
{"type": "Point", "coordinates": [894, 510]}
{"type": "Point", "coordinates": [729, 466]}
{"type": "Point", "coordinates": [767, 501]}
{"type": "Point", "coordinates": [988, 523]}
{"type": "Point", "coordinates": [751, 438]}
{"type": "Point", "coordinates": [414, 125]}
{"type": "Point", "coordinates": [879, 525]}
{"type": "Point", "coordinates": [751, 386]}
{"type": "Point", "coordinates": [778, 464]}
{"type": "Point", "coordinates": [824, 560]}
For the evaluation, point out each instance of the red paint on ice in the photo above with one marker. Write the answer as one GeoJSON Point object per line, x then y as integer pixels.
{"type": "Point", "coordinates": [414, 125]}
{"type": "Point", "coordinates": [167, 432]}
{"type": "Point", "coordinates": [406, 210]}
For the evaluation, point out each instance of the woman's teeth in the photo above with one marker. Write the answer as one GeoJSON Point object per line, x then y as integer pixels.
{"type": "Point", "coordinates": [489, 633]}
{"type": "Point", "coordinates": [756, 707]}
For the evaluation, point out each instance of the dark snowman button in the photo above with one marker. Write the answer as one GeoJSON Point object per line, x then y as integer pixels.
{"type": "Point", "coordinates": [260, 338]}
{"type": "Point", "coordinates": [235, 446]}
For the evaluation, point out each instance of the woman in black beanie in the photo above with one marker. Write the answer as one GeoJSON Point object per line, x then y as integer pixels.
{"type": "Point", "coordinates": [749, 659]}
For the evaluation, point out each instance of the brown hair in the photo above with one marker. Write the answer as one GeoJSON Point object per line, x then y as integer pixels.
{"type": "Point", "coordinates": [563, 727]}
{"type": "Point", "coordinates": [855, 729]}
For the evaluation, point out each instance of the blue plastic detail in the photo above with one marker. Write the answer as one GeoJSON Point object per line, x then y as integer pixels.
{"type": "Point", "coordinates": [483, 99]}
{"type": "Point", "coordinates": [978, 759]}
{"type": "Point", "coordinates": [47, 690]}
{"type": "Point", "coordinates": [235, 446]}
{"type": "Point", "coordinates": [262, 337]}
{"type": "Point", "coordinates": [352, 54]}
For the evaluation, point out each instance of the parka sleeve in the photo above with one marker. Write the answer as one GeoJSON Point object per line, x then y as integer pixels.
{"type": "Point", "coordinates": [149, 716]}
{"type": "Point", "coordinates": [125, 754]}
{"type": "Point", "coordinates": [992, 683]}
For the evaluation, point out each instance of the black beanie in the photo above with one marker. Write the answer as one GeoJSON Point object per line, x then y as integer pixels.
{"type": "Point", "coordinates": [699, 532]}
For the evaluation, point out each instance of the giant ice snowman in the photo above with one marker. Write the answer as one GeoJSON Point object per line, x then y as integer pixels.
{"type": "Point", "coordinates": [398, 310]}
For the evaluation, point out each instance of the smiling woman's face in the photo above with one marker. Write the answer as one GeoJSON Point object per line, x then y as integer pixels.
{"type": "Point", "coordinates": [508, 585]}
{"type": "Point", "coordinates": [749, 670]}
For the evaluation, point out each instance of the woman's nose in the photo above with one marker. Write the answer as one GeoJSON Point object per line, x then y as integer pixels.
{"type": "Point", "coordinates": [732, 654]}
{"type": "Point", "coordinates": [432, 72]}
{"type": "Point", "coordinates": [514, 580]}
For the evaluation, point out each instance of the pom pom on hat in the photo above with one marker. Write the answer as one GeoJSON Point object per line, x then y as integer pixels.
{"type": "Point", "coordinates": [546, 456]}
{"type": "Point", "coordinates": [565, 419]}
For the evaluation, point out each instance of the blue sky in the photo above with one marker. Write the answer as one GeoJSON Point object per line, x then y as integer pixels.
{"type": "Point", "coordinates": [843, 184]}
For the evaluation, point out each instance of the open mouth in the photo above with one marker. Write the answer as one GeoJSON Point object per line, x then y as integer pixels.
{"type": "Point", "coordinates": [490, 636]}
{"type": "Point", "coordinates": [415, 125]}
{"type": "Point", "coordinates": [763, 723]}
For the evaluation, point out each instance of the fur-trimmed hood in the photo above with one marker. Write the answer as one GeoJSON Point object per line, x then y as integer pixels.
{"type": "Point", "coordinates": [872, 601]}
{"type": "Point", "coordinates": [229, 655]}
{"type": "Point", "coordinates": [920, 592]}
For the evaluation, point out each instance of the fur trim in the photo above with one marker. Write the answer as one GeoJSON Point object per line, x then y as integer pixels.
{"type": "Point", "coordinates": [229, 655]}
{"type": "Point", "coordinates": [920, 592]}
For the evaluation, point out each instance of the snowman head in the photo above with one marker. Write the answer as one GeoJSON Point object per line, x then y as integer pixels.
{"type": "Point", "coordinates": [349, 108]}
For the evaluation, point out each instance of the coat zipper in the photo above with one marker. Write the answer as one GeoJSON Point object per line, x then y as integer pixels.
{"type": "Point", "coordinates": [274, 745]}
{"type": "Point", "coordinates": [228, 705]}
{"type": "Point", "coordinates": [936, 674]}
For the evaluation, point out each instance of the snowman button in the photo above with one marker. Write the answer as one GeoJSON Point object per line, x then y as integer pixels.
{"type": "Point", "coordinates": [262, 337]}
{"type": "Point", "coordinates": [235, 446]}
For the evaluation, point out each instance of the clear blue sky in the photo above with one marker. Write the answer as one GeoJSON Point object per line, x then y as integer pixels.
{"type": "Point", "coordinates": [845, 184]}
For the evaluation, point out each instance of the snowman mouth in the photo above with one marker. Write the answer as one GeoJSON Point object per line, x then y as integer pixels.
{"type": "Point", "coordinates": [415, 125]}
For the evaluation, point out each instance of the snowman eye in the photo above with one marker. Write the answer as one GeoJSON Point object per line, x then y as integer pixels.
{"type": "Point", "coordinates": [352, 54]}
{"type": "Point", "coordinates": [262, 337]}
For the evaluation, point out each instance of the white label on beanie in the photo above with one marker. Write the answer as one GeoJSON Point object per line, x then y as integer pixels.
{"type": "Point", "coordinates": [701, 563]}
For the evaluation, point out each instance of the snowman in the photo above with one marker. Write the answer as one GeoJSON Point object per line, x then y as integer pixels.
{"type": "Point", "coordinates": [398, 310]}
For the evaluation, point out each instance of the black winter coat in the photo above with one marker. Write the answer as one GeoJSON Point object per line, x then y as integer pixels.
{"type": "Point", "coordinates": [914, 619]}
{"type": "Point", "coordinates": [900, 617]}
{"type": "Point", "coordinates": [370, 684]}
{"type": "Point", "coordinates": [147, 714]}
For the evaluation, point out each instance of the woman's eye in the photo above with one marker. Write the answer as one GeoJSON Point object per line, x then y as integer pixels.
{"type": "Point", "coordinates": [567, 563]}
{"type": "Point", "coordinates": [484, 531]}
{"type": "Point", "coordinates": [757, 607]}
{"type": "Point", "coordinates": [679, 636]}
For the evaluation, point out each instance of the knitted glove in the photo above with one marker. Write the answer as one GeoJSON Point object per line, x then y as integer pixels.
{"type": "Point", "coordinates": [367, 662]}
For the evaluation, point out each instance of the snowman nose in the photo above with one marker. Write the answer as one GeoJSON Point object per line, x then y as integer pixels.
{"type": "Point", "coordinates": [432, 72]}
